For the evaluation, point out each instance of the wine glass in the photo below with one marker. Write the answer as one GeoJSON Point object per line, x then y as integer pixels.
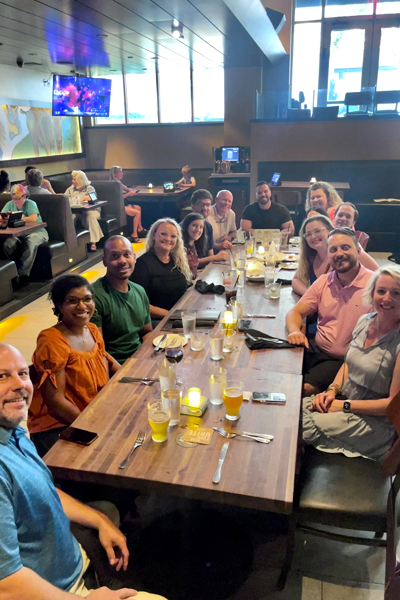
{"type": "Point", "coordinates": [174, 351]}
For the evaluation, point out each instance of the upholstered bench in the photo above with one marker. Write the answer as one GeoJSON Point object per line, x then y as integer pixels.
{"type": "Point", "coordinates": [8, 271]}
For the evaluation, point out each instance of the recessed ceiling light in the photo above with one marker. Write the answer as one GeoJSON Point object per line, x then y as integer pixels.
{"type": "Point", "coordinates": [175, 22]}
{"type": "Point", "coordinates": [177, 30]}
{"type": "Point", "coordinates": [102, 35]}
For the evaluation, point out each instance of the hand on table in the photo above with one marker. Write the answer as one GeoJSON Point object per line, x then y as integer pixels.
{"type": "Point", "coordinates": [298, 338]}
{"type": "Point", "coordinates": [222, 255]}
{"type": "Point", "coordinates": [104, 593]}
{"type": "Point", "coordinates": [226, 244]}
{"type": "Point", "coordinates": [322, 402]}
{"type": "Point", "coordinates": [111, 537]}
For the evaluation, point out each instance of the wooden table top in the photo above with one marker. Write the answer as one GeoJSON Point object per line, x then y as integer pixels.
{"type": "Point", "coordinates": [12, 232]}
{"type": "Point", "coordinates": [82, 207]}
{"type": "Point", "coordinates": [254, 475]}
{"type": "Point", "coordinates": [304, 185]}
{"type": "Point", "coordinates": [157, 190]}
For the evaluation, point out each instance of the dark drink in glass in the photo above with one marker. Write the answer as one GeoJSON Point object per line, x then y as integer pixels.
{"type": "Point", "coordinates": [174, 355]}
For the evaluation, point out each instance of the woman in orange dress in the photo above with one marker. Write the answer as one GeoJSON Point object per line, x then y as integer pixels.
{"type": "Point", "coordinates": [71, 363]}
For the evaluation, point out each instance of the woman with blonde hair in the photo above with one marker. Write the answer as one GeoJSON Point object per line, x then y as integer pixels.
{"type": "Point", "coordinates": [163, 270]}
{"type": "Point", "coordinates": [78, 193]}
{"type": "Point", "coordinates": [314, 257]}
{"type": "Point", "coordinates": [323, 195]}
{"type": "Point", "coordinates": [132, 210]}
{"type": "Point", "coordinates": [350, 416]}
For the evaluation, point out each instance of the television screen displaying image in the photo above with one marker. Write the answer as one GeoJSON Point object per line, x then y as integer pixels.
{"type": "Point", "coordinates": [81, 96]}
{"type": "Point", "coordinates": [230, 153]}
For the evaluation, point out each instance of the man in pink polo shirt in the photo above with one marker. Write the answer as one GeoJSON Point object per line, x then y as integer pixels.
{"type": "Point", "coordinates": [337, 299]}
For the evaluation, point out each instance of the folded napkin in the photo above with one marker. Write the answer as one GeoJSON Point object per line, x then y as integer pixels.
{"type": "Point", "coordinates": [205, 323]}
{"type": "Point", "coordinates": [267, 341]}
{"type": "Point", "coordinates": [209, 288]}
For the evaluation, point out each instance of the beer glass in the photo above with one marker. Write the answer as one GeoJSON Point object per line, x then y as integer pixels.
{"type": "Point", "coordinates": [233, 398]}
{"type": "Point", "coordinates": [159, 416]}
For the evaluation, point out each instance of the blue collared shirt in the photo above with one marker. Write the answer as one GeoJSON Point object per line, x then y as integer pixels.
{"type": "Point", "coordinates": [34, 530]}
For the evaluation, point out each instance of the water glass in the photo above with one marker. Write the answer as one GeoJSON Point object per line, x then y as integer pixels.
{"type": "Point", "coordinates": [277, 242]}
{"type": "Point", "coordinates": [217, 384]}
{"type": "Point", "coordinates": [197, 341]}
{"type": "Point", "coordinates": [285, 237]}
{"type": "Point", "coordinates": [241, 261]}
{"type": "Point", "coordinates": [166, 373]}
{"type": "Point", "coordinates": [233, 398]}
{"type": "Point", "coordinates": [172, 398]}
{"type": "Point", "coordinates": [188, 322]}
{"type": "Point", "coordinates": [269, 276]}
{"type": "Point", "coordinates": [217, 344]}
{"type": "Point", "coordinates": [159, 416]}
{"type": "Point", "coordinates": [274, 290]}
{"type": "Point", "coordinates": [229, 340]}
{"type": "Point", "coordinates": [237, 309]}
{"type": "Point", "coordinates": [240, 236]}
{"type": "Point", "coordinates": [249, 247]}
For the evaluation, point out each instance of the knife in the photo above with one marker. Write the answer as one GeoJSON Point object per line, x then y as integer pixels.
{"type": "Point", "coordinates": [261, 316]}
{"type": "Point", "coordinates": [217, 475]}
{"type": "Point", "coordinates": [157, 348]}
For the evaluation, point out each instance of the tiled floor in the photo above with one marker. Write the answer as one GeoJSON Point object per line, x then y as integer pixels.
{"type": "Point", "coordinates": [322, 570]}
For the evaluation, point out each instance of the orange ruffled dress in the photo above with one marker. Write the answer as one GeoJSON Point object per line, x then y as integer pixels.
{"type": "Point", "coordinates": [86, 373]}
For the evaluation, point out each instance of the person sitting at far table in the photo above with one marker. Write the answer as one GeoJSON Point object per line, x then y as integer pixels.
{"type": "Point", "coordinates": [194, 236]}
{"type": "Point", "coordinates": [4, 182]}
{"type": "Point", "coordinates": [45, 185]}
{"type": "Point", "coordinates": [132, 210]}
{"type": "Point", "coordinates": [35, 180]}
{"type": "Point", "coordinates": [314, 256]}
{"type": "Point", "coordinates": [187, 181]}
{"type": "Point", "coordinates": [336, 297]}
{"type": "Point", "coordinates": [122, 307]}
{"type": "Point", "coordinates": [163, 270]}
{"type": "Point", "coordinates": [264, 214]}
{"type": "Point", "coordinates": [350, 416]}
{"type": "Point", "coordinates": [223, 220]}
{"type": "Point", "coordinates": [78, 193]}
{"type": "Point", "coordinates": [24, 249]}
{"type": "Point", "coordinates": [323, 195]}
{"type": "Point", "coordinates": [201, 202]}
{"type": "Point", "coordinates": [71, 361]}
{"type": "Point", "coordinates": [315, 212]}
{"type": "Point", "coordinates": [40, 558]}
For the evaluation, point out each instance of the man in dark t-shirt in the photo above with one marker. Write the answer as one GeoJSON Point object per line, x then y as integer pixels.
{"type": "Point", "coordinates": [263, 214]}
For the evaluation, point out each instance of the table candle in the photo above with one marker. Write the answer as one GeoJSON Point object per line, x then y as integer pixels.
{"type": "Point", "coordinates": [228, 317]}
{"type": "Point", "coordinates": [150, 185]}
{"type": "Point", "coordinates": [261, 250]}
{"type": "Point", "coordinates": [194, 397]}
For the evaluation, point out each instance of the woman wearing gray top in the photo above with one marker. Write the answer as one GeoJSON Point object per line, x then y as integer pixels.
{"type": "Point", "coordinates": [357, 424]}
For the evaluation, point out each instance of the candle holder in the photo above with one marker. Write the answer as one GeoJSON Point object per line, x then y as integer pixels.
{"type": "Point", "coordinates": [194, 403]}
{"type": "Point", "coordinates": [228, 322]}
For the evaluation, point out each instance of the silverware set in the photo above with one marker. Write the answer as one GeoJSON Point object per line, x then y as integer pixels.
{"type": "Point", "coordinates": [141, 436]}
{"type": "Point", "coordinates": [254, 316]}
{"type": "Point", "coordinates": [158, 348]}
{"type": "Point", "coordinates": [263, 438]}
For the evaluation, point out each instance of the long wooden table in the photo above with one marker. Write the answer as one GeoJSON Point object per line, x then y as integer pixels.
{"type": "Point", "coordinates": [254, 475]}
{"type": "Point", "coordinates": [13, 232]}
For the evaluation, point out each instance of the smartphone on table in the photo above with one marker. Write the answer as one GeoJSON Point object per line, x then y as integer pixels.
{"type": "Point", "coordinates": [78, 436]}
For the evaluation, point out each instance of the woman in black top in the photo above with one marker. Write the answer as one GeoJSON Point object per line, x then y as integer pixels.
{"type": "Point", "coordinates": [163, 270]}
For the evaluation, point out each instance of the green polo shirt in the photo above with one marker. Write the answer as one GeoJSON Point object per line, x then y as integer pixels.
{"type": "Point", "coordinates": [121, 316]}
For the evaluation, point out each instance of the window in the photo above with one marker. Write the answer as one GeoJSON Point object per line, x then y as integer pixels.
{"type": "Point", "coordinates": [306, 45]}
{"type": "Point", "coordinates": [308, 10]}
{"type": "Point", "coordinates": [389, 59]}
{"type": "Point", "coordinates": [208, 94]}
{"type": "Point", "coordinates": [339, 8]}
{"type": "Point", "coordinates": [388, 7]}
{"type": "Point", "coordinates": [141, 91]}
{"type": "Point", "coordinates": [117, 104]}
{"type": "Point", "coordinates": [175, 97]}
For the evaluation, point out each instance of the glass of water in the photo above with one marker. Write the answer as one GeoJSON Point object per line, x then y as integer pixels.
{"type": "Point", "coordinates": [274, 290]}
{"type": "Point", "coordinates": [172, 398]}
{"type": "Point", "coordinates": [197, 341]}
{"type": "Point", "coordinates": [217, 384]}
{"type": "Point", "coordinates": [217, 344]}
{"type": "Point", "coordinates": [166, 373]}
{"type": "Point", "coordinates": [188, 322]}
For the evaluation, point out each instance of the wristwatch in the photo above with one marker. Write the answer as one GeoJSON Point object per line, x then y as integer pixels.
{"type": "Point", "coordinates": [347, 406]}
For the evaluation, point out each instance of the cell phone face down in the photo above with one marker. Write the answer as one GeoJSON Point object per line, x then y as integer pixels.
{"type": "Point", "coordinates": [78, 436]}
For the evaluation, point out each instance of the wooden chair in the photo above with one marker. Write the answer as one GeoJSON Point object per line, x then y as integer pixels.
{"type": "Point", "coordinates": [350, 493]}
{"type": "Point", "coordinates": [363, 239]}
{"type": "Point", "coordinates": [291, 199]}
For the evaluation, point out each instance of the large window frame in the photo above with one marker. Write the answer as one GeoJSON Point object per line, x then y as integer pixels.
{"type": "Point", "coordinates": [126, 121]}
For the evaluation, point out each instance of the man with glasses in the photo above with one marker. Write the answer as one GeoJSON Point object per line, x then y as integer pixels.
{"type": "Point", "coordinates": [201, 202]}
{"type": "Point", "coordinates": [336, 297]}
{"type": "Point", "coordinates": [24, 249]}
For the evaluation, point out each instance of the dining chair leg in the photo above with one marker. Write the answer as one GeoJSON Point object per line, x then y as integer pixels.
{"type": "Point", "coordinates": [287, 563]}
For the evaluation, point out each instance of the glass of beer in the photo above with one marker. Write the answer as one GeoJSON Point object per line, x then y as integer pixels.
{"type": "Point", "coordinates": [233, 398]}
{"type": "Point", "coordinates": [159, 416]}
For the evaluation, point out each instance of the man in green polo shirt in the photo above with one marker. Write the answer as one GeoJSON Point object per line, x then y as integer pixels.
{"type": "Point", "coordinates": [122, 307]}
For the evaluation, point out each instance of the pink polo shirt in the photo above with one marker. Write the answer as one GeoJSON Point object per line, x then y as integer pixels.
{"type": "Point", "coordinates": [338, 308]}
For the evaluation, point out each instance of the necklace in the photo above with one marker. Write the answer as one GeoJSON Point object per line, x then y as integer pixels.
{"type": "Point", "coordinates": [80, 339]}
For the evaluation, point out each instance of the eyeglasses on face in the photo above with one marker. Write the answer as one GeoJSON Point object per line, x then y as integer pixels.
{"type": "Point", "coordinates": [308, 234]}
{"type": "Point", "coordinates": [72, 301]}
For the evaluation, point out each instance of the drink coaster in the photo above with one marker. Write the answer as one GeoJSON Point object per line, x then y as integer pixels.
{"type": "Point", "coordinates": [181, 442]}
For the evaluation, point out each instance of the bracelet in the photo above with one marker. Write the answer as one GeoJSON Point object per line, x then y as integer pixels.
{"type": "Point", "coordinates": [335, 388]}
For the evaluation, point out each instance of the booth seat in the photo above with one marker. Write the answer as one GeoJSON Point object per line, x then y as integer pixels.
{"type": "Point", "coordinates": [8, 271]}
{"type": "Point", "coordinates": [113, 217]}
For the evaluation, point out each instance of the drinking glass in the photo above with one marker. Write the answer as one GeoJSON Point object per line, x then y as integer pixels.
{"type": "Point", "coordinates": [174, 351]}
{"type": "Point", "coordinates": [274, 290]}
{"type": "Point", "coordinates": [166, 373]}
{"type": "Point", "coordinates": [217, 384]}
{"type": "Point", "coordinates": [217, 344]}
{"type": "Point", "coordinates": [237, 309]}
{"type": "Point", "coordinates": [229, 340]}
{"type": "Point", "coordinates": [277, 242]}
{"type": "Point", "coordinates": [233, 398]}
{"type": "Point", "coordinates": [249, 247]}
{"type": "Point", "coordinates": [159, 416]}
{"type": "Point", "coordinates": [241, 260]}
{"type": "Point", "coordinates": [172, 398]}
{"type": "Point", "coordinates": [188, 322]}
{"type": "Point", "coordinates": [227, 278]}
{"type": "Point", "coordinates": [285, 237]}
{"type": "Point", "coordinates": [197, 341]}
{"type": "Point", "coordinates": [269, 276]}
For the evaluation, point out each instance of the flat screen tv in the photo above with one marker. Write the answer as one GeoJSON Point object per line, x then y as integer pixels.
{"type": "Point", "coordinates": [230, 153]}
{"type": "Point", "coordinates": [81, 96]}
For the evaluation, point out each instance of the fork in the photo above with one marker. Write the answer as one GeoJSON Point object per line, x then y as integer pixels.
{"type": "Point", "coordinates": [139, 441]}
{"type": "Point", "coordinates": [228, 435]}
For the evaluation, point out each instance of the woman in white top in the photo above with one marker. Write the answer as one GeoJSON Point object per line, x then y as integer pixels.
{"type": "Point", "coordinates": [78, 193]}
{"type": "Point", "coordinates": [132, 210]}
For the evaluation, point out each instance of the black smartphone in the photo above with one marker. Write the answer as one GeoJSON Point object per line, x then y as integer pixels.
{"type": "Point", "coordinates": [78, 436]}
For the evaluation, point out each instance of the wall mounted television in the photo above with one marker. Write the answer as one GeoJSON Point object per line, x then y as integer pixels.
{"type": "Point", "coordinates": [81, 96]}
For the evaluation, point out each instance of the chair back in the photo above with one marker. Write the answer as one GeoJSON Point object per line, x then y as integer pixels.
{"type": "Point", "coordinates": [285, 198]}
{"type": "Point", "coordinates": [360, 99]}
{"type": "Point", "coordinates": [4, 198]}
{"type": "Point", "coordinates": [363, 239]}
{"type": "Point", "coordinates": [55, 210]}
{"type": "Point", "coordinates": [384, 98]}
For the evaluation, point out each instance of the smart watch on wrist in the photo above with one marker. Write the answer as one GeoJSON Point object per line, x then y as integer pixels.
{"type": "Point", "coordinates": [347, 406]}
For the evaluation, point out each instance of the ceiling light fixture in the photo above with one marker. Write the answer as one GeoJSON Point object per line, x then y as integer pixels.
{"type": "Point", "coordinates": [177, 30]}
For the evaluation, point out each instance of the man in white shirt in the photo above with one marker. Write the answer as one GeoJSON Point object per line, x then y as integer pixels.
{"type": "Point", "coordinates": [223, 220]}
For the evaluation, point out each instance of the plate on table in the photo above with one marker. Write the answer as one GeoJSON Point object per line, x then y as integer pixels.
{"type": "Point", "coordinates": [289, 266]}
{"type": "Point", "coordinates": [255, 275]}
{"type": "Point", "coordinates": [171, 336]}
